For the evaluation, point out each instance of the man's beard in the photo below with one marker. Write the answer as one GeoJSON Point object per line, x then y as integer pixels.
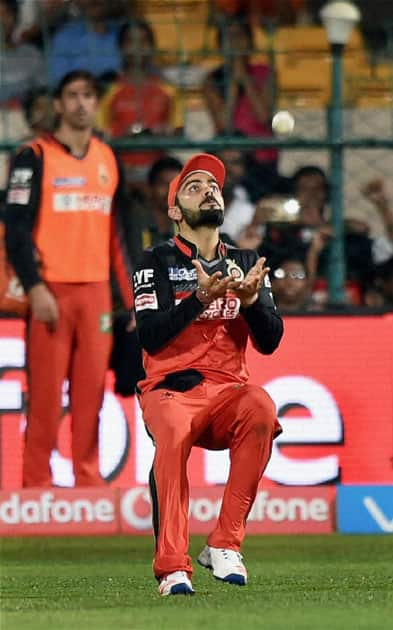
{"type": "Point", "coordinates": [210, 217]}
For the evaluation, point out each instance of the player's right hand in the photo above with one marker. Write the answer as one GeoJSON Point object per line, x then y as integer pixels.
{"type": "Point", "coordinates": [43, 305]}
{"type": "Point", "coordinates": [214, 286]}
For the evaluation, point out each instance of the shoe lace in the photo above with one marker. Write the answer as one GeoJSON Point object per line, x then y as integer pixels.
{"type": "Point", "coordinates": [177, 575]}
{"type": "Point", "coordinates": [231, 555]}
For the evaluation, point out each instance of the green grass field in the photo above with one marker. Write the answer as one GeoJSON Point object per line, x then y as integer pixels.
{"type": "Point", "coordinates": [295, 582]}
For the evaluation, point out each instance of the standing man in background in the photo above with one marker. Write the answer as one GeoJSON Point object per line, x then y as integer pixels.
{"type": "Point", "coordinates": [63, 231]}
{"type": "Point", "coordinates": [197, 301]}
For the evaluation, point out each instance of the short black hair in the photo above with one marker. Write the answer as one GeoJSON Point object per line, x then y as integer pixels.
{"type": "Point", "coordinates": [306, 171]}
{"type": "Point", "coordinates": [76, 75]}
{"type": "Point", "coordinates": [166, 163]}
{"type": "Point", "coordinates": [133, 25]}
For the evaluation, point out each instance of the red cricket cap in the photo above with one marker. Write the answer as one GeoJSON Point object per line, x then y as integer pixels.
{"type": "Point", "coordinates": [199, 162]}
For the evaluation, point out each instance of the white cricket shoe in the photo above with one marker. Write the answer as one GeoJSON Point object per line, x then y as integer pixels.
{"type": "Point", "coordinates": [226, 564]}
{"type": "Point", "coordinates": [176, 583]}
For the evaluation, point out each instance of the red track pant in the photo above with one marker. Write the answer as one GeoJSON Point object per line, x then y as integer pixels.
{"type": "Point", "coordinates": [239, 417]}
{"type": "Point", "coordinates": [79, 350]}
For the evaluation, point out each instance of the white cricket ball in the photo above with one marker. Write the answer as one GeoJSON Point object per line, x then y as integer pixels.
{"type": "Point", "coordinates": [283, 123]}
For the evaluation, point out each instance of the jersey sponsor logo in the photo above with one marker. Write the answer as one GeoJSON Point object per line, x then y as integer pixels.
{"type": "Point", "coordinates": [146, 300]}
{"type": "Point", "coordinates": [20, 196]}
{"type": "Point", "coordinates": [20, 186]}
{"type": "Point", "coordinates": [143, 277]}
{"type": "Point", "coordinates": [81, 202]}
{"type": "Point", "coordinates": [21, 178]}
{"type": "Point", "coordinates": [234, 270]}
{"type": "Point", "coordinates": [73, 182]}
{"type": "Point", "coordinates": [182, 273]}
{"type": "Point", "coordinates": [221, 308]}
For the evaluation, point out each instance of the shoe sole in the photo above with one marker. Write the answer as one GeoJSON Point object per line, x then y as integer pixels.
{"type": "Point", "coordinates": [233, 578]}
{"type": "Point", "coordinates": [181, 589]}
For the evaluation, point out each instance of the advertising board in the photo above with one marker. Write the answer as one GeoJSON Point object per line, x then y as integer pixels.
{"type": "Point", "coordinates": [331, 379]}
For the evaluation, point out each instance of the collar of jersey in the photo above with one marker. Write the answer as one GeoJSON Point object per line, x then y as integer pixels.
{"type": "Point", "coordinates": [52, 138]}
{"type": "Point", "coordinates": [190, 249]}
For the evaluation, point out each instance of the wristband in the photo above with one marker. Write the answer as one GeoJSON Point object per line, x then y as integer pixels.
{"type": "Point", "coordinates": [203, 295]}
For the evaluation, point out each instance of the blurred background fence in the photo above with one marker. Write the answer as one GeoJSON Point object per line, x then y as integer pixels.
{"type": "Point", "coordinates": [288, 38]}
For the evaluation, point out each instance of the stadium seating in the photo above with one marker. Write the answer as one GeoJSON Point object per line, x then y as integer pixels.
{"type": "Point", "coordinates": [303, 64]}
{"type": "Point", "coordinates": [372, 86]}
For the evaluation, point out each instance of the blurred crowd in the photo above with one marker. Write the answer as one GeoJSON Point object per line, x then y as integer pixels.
{"type": "Point", "coordinates": [286, 219]}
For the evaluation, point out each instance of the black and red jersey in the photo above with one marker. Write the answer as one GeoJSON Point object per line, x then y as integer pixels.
{"type": "Point", "coordinates": [184, 341]}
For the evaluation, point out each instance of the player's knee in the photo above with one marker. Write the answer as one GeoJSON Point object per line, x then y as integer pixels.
{"type": "Point", "coordinates": [259, 410]}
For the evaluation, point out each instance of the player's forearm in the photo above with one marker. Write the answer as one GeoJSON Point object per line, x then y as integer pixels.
{"type": "Point", "coordinates": [20, 248]}
{"type": "Point", "coordinates": [157, 328]}
{"type": "Point", "coordinates": [266, 327]}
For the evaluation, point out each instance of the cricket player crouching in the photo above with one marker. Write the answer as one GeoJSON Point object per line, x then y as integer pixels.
{"type": "Point", "coordinates": [197, 301]}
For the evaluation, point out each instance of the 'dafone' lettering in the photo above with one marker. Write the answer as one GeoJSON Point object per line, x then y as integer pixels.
{"type": "Point", "coordinates": [278, 509]}
{"type": "Point", "coordinates": [47, 509]}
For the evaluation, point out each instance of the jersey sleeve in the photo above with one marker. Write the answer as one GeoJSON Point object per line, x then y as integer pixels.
{"type": "Point", "coordinates": [22, 207]}
{"type": "Point", "coordinates": [265, 324]}
{"type": "Point", "coordinates": [158, 318]}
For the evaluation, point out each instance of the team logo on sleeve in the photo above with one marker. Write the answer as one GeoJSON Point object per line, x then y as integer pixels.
{"type": "Point", "coordinates": [143, 279]}
{"type": "Point", "coordinates": [146, 301]}
{"type": "Point", "coordinates": [234, 270]}
{"type": "Point", "coordinates": [20, 186]}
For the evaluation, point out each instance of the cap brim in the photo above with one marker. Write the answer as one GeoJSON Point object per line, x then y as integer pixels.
{"type": "Point", "coordinates": [200, 162]}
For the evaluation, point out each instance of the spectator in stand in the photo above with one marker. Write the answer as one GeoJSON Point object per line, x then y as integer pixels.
{"type": "Point", "coordinates": [148, 223]}
{"type": "Point", "coordinates": [22, 64]}
{"type": "Point", "coordinates": [238, 94]}
{"type": "Point", "coordinates": [37, 18]}
{"type": "Point", "coordinates": [89, 42]}
{"type": "Point", "coordinates": [138, 101]}
{"type": "Point", "coordinates": [22, 69]}
{"type": "Point", "coordinates": [274, 12]}
{"type": "Point", "coordinates": [375, 192]}
{"type": "Point", "coordinates": [311, 190]}
{"type": "Point", "coordinates": [380, 292]}
{"type": "Point", "coordinates": [39, 112]}
{"type": "Point", "coordinates": [291, 286]}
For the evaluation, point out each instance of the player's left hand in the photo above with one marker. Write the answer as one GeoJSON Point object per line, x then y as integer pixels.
{"type": "Point", "coordinates": [248, 290]}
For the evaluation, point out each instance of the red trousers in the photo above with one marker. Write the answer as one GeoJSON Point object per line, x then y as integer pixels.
{"type": "Point", "coordinates": [79, 350]}
{"type": "Point", "coordinates": [213, 416]}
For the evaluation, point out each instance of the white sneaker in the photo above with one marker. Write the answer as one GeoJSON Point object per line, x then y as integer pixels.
{"type": "Point", "coordinates": [227, 565]}
{"type": "Point", "coordinates": [176, 583]}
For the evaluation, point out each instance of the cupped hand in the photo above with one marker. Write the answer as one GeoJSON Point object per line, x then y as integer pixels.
{"type": "Point", "coordinates": [248, 291]}
{"type": "Point", "coordinates": [214, 286]}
